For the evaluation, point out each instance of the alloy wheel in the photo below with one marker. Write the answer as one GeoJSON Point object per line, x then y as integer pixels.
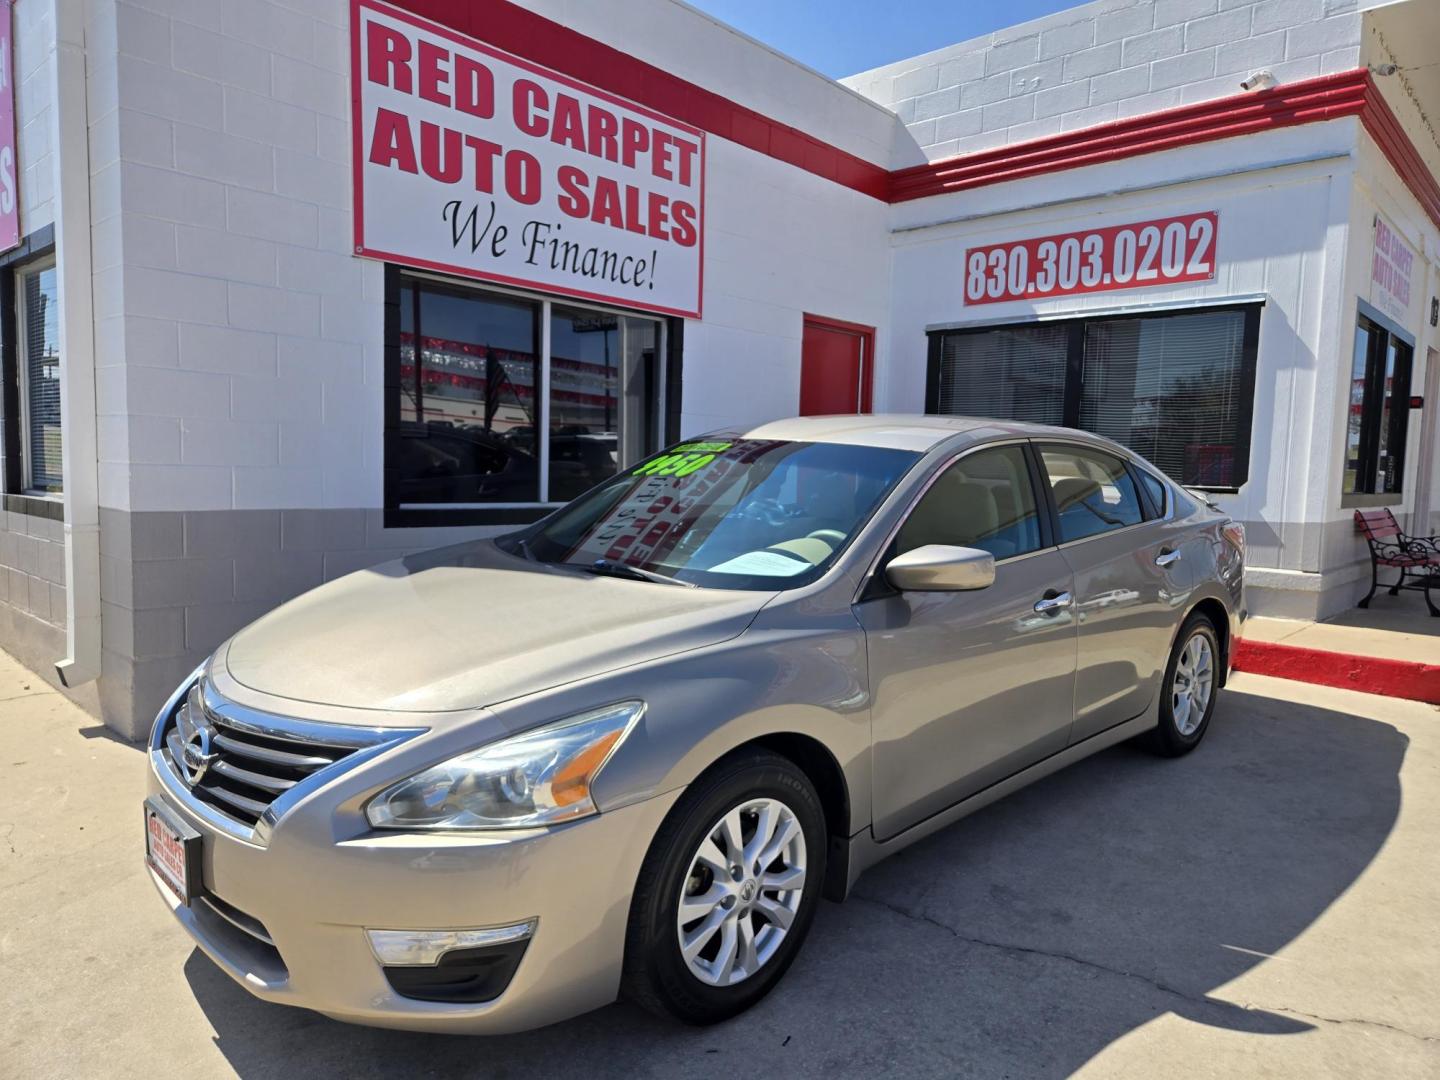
{"type": "Point", "coordinates": [1193, 684]}
{"type": "Point", "coordinates": [742, 892]}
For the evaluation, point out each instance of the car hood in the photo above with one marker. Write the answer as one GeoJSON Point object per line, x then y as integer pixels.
{"type": "Point", "coordinates": [470, 626]}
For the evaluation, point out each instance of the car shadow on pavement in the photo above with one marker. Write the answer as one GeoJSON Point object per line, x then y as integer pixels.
{"type": "Point", "coordinates": [1021, 941]}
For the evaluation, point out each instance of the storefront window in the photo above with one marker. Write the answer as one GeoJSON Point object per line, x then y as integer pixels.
{"type": "Point", "coordinates": [1169, 389]}
{"type": "Point", "coordinates": [40, 379]}
{"type": "Point", "coordinates": [601, 368]}
{"type": "Point", "coordinates": [1379, 412]}
{"type": "Point", "coordinates": [477, 388]}
{"type": "Point", "coordinates": [1176, 388]}
{"type": "Point", "coordinates": [1016, 372]}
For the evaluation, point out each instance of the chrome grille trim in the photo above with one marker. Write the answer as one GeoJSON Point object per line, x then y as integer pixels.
{"type": "Point", "coordinates": [251, 781]}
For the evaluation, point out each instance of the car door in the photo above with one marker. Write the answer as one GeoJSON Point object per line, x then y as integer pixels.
{"type": "Point", "coordinates": [1132, 581]}
{"type": "Point", "coordinates": [969, 687]}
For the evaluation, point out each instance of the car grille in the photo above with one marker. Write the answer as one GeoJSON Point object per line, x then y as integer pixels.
{"type": "Point", "coordinates": [247, 769]}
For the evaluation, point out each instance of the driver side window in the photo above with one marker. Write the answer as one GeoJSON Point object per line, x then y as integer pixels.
{"type": "Point", "coordinates": [984, 500]}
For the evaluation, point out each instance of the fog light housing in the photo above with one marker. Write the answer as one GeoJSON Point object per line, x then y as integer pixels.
{"type": "Point", "coordinates": [460, 966]}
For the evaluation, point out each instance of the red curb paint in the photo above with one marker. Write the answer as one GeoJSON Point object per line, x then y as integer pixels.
{"type": "Point", "coordinates": [1406, 679]}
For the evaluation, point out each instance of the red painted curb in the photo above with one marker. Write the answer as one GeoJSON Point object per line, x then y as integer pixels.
{"type": "Point", "coordinates": [1406, 679]}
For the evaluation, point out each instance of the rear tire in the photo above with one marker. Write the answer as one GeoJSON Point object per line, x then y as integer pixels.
{"type": "Point", "coordinates": [731, 912]}
{"type": "Point", "coordinates": [1189, 690]}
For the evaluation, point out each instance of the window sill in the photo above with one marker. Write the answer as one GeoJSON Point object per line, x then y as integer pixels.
{"type": "Point", "coordinates": [41, 506]}
{"type": "Point", "coordinates": [1363, 501]}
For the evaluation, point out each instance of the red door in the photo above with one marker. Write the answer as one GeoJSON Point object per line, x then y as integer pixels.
{"type": "Point", "coordinates": [835, 363]}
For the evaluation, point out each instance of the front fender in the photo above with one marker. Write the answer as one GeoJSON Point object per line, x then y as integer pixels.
{"type": "Point", "coordinates": [703, 704]}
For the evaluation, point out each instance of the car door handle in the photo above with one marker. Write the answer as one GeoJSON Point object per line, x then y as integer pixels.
{"type": "Point", "coordinates": [1059, 602]}
{"type": "Point", "coordinates": [1167, 558]}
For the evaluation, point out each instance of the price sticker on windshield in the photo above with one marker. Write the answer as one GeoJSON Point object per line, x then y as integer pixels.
{"type": "Point", "coordinates": [1166, 251]}
{"type": "Point", "coordinates": [683, 460]}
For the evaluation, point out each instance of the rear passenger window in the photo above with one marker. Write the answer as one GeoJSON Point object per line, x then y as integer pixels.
{"type": "Point", "coordinates": [1093, 491]}
{"type": "Point", "coordinates": [983, 501]}
{"type": "Point", "coordinates": [1155, 489]}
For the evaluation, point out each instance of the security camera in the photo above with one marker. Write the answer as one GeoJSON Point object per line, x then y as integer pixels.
{"type": "Point", "coordinates": [1384, 69]}
{"type": "Point", "coordinates": [1260, 80]}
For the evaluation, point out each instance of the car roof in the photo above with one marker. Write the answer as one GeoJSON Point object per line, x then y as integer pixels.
{"type": "Point", "coordinates": [903, 431]}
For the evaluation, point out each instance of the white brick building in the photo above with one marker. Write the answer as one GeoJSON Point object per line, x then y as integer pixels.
{"type": "Point", "coordinates": [235, 366]}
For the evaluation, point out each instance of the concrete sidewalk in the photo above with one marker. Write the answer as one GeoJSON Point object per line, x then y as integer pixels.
{"type": "Point", "coordinates": [1265, 906]}
{"type": "Point", "coordinates": [1391, 648]}
{"type": "Point", "coordinates": [1392, 628]}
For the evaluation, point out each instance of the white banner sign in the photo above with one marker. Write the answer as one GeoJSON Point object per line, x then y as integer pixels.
{"type": "Point", "coordinates": [1390, 272]}
{"type": "Point", "coordinates": [475, 162]}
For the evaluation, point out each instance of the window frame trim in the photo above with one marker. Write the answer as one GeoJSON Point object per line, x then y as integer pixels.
{"type": "Point", "coordinates": [36, 245]}
{"type": "Point", "coordinates": [1371, 409]}
{"type": "Point", "coordinates": [38, 265]}
{"type": "Point", "coordinates": [1251, 307]}
{"type": "Point", "coordinates": [665, 420]}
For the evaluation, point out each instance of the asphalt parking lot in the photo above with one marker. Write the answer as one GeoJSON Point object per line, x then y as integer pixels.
{"type": "Point", "coordinates": [1267, 906]}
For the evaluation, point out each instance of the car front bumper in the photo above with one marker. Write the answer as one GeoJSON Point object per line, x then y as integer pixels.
{"type": "Point", "coordinates": [315, 897]}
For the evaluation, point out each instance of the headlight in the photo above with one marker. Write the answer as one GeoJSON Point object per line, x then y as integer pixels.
{"type": "Point", "coordinates": [539, 778]}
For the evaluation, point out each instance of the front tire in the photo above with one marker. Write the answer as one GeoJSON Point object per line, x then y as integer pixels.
{"type": "Point", "coordinates": [1187, 696]}
{"type": "Point", "coordinates": [727, 892]}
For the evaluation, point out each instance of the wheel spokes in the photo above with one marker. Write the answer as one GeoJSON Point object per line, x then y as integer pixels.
{"type": "Point", "coordinates": [779, 915]}
{"type": "Point", "coordinates": [792, 877]}
{"type": "Point", "coordinates": [692, 943]}
{"type": "Point", "coordinates": [746, 960]}
{"type": "Point", "coordinates": [741, 891]}
{"type": "Point", "coordinates": [697, 907]}
{"type": "Point", "coordinates": [724, 962]}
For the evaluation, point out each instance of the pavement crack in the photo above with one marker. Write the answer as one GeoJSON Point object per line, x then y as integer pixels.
{"type": "Point", "coordinates": [1341, 1020]}
{"type": "Point", "coordinates": [1203, 1001]}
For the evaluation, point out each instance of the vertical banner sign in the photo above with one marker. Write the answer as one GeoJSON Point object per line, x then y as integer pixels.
{"type": "Point", "coordinates": [9, 170]}
{"type": "Point", "coordinates": [476, 162]}
{"type": "Point", "coordinates": [1390, 272]}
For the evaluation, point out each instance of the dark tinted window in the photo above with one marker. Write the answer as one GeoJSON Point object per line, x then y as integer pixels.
{"type": "Point", "coordinates": [1014, 372]}
{"type": "Point", "coordinates": [1093, 491]}
{"type": "Point", "coordinates": [472, 378]}
{"type": "Point", "coordinates": [983, 501]}
{"type": "Point", "coordinates": [1170, 389]}
{"type": "Point", "coordinates": [1156, 490]}
{"type": "Point", "coordinates": [1177, 388]}
{"type": "Point", "coordinates": [1379, 416]}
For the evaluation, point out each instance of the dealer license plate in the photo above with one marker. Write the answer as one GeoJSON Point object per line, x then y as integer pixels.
{"type": "Point", "coordinates": [172, 850]}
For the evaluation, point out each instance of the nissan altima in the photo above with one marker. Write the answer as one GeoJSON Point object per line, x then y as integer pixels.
{"type": "Point", "coordinates": [628, 749]}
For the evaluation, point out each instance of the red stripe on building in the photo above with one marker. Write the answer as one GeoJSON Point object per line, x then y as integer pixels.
{"type": "Point", "coordinates": [1329, 97]}
{"type": "Point", "coordinates": [1404, 158]}
{"type": "Point", "coordinates": [524, 33]}
{"type": "Point", "coordinates": [1325, 98]}
{"type": "Point", "coordinates": [1368, 674]}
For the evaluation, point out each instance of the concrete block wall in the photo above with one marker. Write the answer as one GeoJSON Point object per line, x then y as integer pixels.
{"type": "Point", "coordinates": [32, 547]}
{"type": "Point", "coordinates": [34, 43]}
{"type": "Point", "coordinates": [1105, 61]}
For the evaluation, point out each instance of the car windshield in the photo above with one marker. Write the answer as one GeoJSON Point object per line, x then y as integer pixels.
{"type": "Point", "coordinates": [725, 512]}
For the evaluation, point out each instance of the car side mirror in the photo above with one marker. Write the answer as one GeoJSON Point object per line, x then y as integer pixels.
{"type": "Point", "coordinates": [941, 568]}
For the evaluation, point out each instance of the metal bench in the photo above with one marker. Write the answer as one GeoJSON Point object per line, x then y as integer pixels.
{"type": "Point", "coordinates": [1416, 557]}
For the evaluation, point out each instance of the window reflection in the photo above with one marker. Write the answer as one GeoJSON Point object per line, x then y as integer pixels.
{"type": "Point", "coordinates": [600, 371]}
{"type": "Point", "coordinates": [471, 380]}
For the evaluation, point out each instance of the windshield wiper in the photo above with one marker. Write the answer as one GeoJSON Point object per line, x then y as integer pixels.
{"type": "Point", "coordinates": [625, 570]}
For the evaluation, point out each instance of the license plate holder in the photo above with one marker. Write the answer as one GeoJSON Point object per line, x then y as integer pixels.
{"type": "Point", "coordinates": [173, 850]}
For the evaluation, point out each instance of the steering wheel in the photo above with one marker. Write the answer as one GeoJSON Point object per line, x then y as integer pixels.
{"type": "Point", "coordinates": [833, 537]}
{"type": "Point", "coordinates": [769, 511]}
